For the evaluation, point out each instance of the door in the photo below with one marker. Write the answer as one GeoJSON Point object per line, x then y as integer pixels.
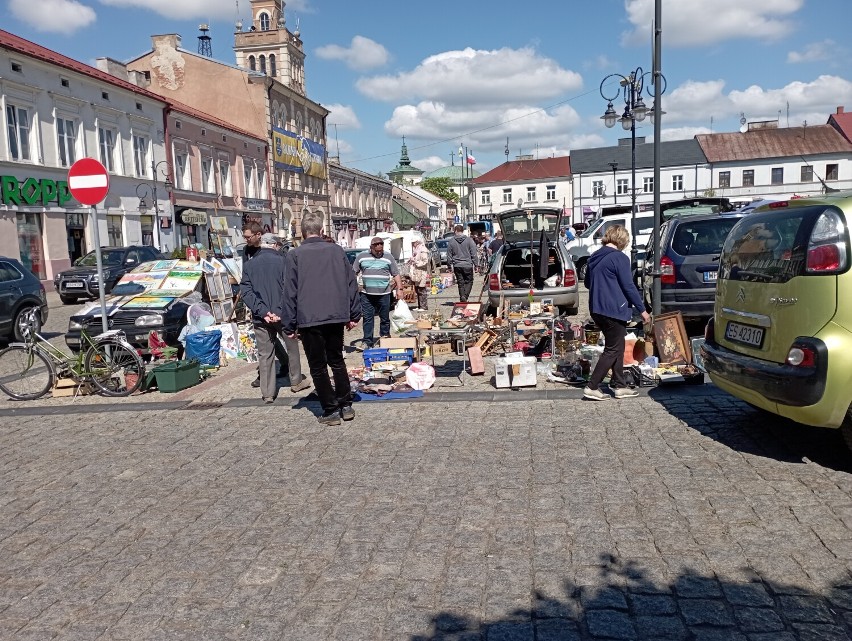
{"type": "Point", "coordinates": [76, 232]}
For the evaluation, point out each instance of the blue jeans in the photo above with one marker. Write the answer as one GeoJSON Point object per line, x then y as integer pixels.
{"type": "Point", "coordinates": [372, 304]}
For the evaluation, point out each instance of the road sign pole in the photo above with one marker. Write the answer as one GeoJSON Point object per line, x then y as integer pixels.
{"type": "Point", "coordinates": [96, 234]}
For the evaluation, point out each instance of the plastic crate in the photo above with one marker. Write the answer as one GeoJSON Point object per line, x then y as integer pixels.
{"type": "Point", "coordinates": [401, 354]}
{"type": "Point", "coordinates": [375, 355]}
{"type": "Point", "coordinates": [177, 375]}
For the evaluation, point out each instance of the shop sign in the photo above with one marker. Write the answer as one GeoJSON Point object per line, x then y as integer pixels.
{"type": "Point", "coordinates": [32, 191]}
{"type": "Point", "coordinates": [256, 204]}
{"type": "Point", "coordinates": [193, 217]}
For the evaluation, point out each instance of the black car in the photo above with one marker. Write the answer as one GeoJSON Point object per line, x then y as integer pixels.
{"type": "Point", "coordinates": [81, 281]}
{"type": "Point", "coordinates": [689, 262]}
{"type": "Point", "coordinates": [440, 248]}
{"type": "Point", "coordinates": [19, 291]}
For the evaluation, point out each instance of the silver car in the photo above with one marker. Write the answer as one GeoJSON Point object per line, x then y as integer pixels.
{"type": "Point", "coordinates": [516, 268]}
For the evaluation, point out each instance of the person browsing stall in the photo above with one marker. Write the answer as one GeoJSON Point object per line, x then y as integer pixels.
{"type": "Point", "coordinates": [418, 267]}
{"type": "Point", "coordinates": [462, 255]}
{"type": "Point", "coordinates": [612, 296]}
{"type": "Point", "coordinates": [380, 275]}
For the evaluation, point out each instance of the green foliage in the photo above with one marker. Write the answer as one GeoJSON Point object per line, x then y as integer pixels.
{"type": "Point", "coordinates": [179, 253]}
{"type": "Point", "coordinates": [709, 193]}
{"type": "Point", "coordinates": [440, 187]}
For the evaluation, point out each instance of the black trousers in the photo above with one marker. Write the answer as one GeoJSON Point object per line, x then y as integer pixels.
{"type": "Point", "coordinates": [324, 349]}
{"type": "Point", "coordinates": [464, 279]}
{"type": "Point", "coordinates": [614, 331]}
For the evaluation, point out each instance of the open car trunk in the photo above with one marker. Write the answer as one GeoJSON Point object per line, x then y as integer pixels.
{"type": "Point", "coordinates": [516, 268]}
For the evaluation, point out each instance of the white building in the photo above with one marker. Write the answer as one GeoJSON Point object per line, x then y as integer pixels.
{"type": "Point", "coordinates": [57, 110]}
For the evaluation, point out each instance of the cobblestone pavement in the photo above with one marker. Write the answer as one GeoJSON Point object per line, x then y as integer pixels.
{"type": "Point", "coordinates": [681, 514]}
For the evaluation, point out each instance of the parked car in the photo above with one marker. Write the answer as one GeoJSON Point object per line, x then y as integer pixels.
{"type": "Point", "coordinates": [81, 281]}
{"type": "Point", "coordinates": [781, 332]}
{"type": "Point", "coordinates": [20, 291]}
{"type": "Point", "coordinates": [689, 263]}
{"type": "Point", "coordinates": [515, 266]}
{"type": "Point", "coordinates": [352, 254]}
{"type": "Point", "coordinates": [441, 250]}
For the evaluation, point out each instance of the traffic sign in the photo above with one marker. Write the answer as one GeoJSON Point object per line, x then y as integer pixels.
{"type": "Point", "coordinates": [88, 181]}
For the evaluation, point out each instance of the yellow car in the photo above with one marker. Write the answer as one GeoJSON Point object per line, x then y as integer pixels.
{"type": "Point", "coordinates": [781, 334]}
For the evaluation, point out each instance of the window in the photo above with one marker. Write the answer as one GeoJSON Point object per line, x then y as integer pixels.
{"type": "Point", "coordinates": [272, 71]}
{"type": "Point", "coordinates": [807, 173]}
{"type": "Point", "coordinates": [530, 194]}
{"type": "Point", "coordinates": [264, 22]}
{"type": "Point", "coordinates": [225, 177]}
{"type": "Point", "coordinates": [748, 177]}
{"type": "Point", "coordinates": [550, 192]}
{"type": "Point", "coordinates": [106, 144]}
{"type": "Point", "coordinates": [263, 64]}
{"type": "Point", "coordinates": [147, 224]}
{"type": "Point", "coordinates": [140, 155]}
{"type": "Point", "coordinates": [30, 243]}
{"type": "Point", "coordinates": [648, 184]}
{"type": "Point", "coordinates": [116, 238]}
{"type": "Point", "coordinates": [677, 182]}
{"type": "Point", "coordinates": [17, 68]}
{"type": "Point", "coordinates": [9, 273]}
{"type": "Point", "coordinates": [597, 189]}
{"type": "Point", "coordinates": [485, 197]}
{"type": "Point", "coordinates": [261, 183]}
{"type": "Point", "coordinates": [621, 186]}
{"type": "Point", "coordinates": [178, 124]}
{"type": "Point", "coordinates": [66, 135]}
{"type": "Point", "coordinates": [252, 63]}
{"type": "Point", "coordinates": [724, 179]}
{"type": "Point", "coordinates": [139, 104]}
{"type": "Point", "coordinates": [182, 178]}
{"type": "Point", "coordinates": [105, 95]}
{"type": "Point", "coordinates": [248, 176]}
{"type": "Point", "coordinates": [777, 175]}
{"type": "Point", "coordinates": [831, 172]}
{"type": "Point", "coordinates": [507, 196]}
{"type": "Point", "coordinates": [207, 183]}
{"type": "Point", "coordinates": [64, 82]}
{"type": "Point", "coordinates": [18, 129]}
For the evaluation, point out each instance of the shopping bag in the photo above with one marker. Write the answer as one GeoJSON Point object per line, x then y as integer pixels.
{"type": "Point", "coordinates": [401, 316]}
{"type": "Point", "coordinates": [204, 347]}
{"type": "Point", "coordinates": [420, 375]}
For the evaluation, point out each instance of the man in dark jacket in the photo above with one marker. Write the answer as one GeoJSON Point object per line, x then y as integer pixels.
{"type": "Point", "coordinates": [461, 254]}
{"type": "Point", "coordinates": [320, 300]}
{"type": "Point", "coordinates": [262, 289]}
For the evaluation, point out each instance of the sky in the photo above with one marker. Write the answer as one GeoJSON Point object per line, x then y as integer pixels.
{"type": "Point", "coordinates": [475, 74]}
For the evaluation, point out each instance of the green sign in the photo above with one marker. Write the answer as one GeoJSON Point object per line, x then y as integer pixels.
{"type": "Point", "coordinates": [32, 192]}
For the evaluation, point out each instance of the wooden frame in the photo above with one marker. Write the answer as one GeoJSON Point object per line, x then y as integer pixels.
{"type": "Point", "coordinates": [673, 346]}
{"type": "Point", "coordinates": [466, 311]}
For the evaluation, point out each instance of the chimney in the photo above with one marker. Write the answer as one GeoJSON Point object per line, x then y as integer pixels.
{"type": "Point", "coordinates": [170, 40]}
{"type": "Point", "coordinates": [839, 110]}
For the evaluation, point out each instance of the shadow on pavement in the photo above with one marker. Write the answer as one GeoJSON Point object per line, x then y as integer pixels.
{"type": "Point", "coordinates": [625, 602]}
{"type": "Point", "coordinates": [757, 432]}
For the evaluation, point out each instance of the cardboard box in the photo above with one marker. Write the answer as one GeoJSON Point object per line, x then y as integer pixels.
{"type": "Point", "coordinates": [401, 343]}
{"type": "Point", "coordinates": [67, 387]}
{"type": "Point", "coordinates": [515, 371]}
{"type": "Point", "coordinates": [440, 349]}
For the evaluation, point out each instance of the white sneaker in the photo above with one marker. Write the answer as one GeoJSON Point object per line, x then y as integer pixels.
{"type": "Point", "coordinates": [595, 394]}
{"type": "Point", "coordinates": [625, 392]}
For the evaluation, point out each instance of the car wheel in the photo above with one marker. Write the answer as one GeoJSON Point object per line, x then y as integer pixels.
{"type": "Point", "coordinates": [20, 323]}
{"type": "Point", "coordinates": [581, 271]}
{"type": "Point", "coordinates": [67, 300]}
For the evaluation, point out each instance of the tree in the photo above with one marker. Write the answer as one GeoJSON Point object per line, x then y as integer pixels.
{"type": "Point", "coordinates": [441, 187]}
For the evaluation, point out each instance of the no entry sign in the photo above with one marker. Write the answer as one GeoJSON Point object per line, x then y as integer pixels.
{"type": "Point", "coordinates": [88, 181]}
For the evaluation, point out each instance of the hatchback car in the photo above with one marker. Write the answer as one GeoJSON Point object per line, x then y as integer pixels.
{"type": "Point", "coordinates": [516, 272]}
{"type": "Point", "coordinates": [81, 281]}
{"type": "Point", "coordinates": [20, 291]}
{"type": "Point", "coordinates": [689, 263]}
{"type": "Point", "coordinates": [781, 332]}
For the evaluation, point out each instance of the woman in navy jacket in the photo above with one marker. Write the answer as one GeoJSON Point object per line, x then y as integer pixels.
{"type": "Point", "coordinates": [612, 294]}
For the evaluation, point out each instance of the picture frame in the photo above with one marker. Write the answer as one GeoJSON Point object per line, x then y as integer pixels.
{"type": "Point", "coordinates": [226, 285]}
{"type": "Point", "coordinates": [466, 311]}
{"type": "Point", "coordinates": [697, 360]}
{"type": "Point", "coordinates": [670, 339]}
{"type": "Point", "coordinates": [214, 287]}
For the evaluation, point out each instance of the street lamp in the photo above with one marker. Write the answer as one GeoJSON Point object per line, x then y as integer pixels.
{"type": "Point", "coordinates": [630, 89]}
{"type": "Point", "coordinates": [614, 166]}
{"type": "Point", "coordinates": [149, 190]}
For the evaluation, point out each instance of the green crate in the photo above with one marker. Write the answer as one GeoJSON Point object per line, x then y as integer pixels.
{"type": "Point", "coordinates": [177, 375]}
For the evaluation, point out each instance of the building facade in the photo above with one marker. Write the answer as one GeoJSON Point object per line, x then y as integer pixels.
{"type": "Point", "coordinates": [57, 110]}
{"type": "Point", "coordinates": [361, 204]}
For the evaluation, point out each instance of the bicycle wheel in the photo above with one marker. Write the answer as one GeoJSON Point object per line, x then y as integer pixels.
{"type": "Point", "coordinates": [25, 373]}
{"type": "Point", "coordinates": [115, 368]}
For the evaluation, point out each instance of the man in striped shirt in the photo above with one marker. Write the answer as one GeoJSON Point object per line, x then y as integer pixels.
{"type": "Point", "coordinates": [380, 276]}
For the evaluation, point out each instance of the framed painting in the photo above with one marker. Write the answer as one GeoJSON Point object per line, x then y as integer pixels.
{"type": "Point", "coordinates": [673, 346]}
{"type": "Point", "coordinates": [466, 311]}
{"type": "Point", "coordinates": [214, 286]}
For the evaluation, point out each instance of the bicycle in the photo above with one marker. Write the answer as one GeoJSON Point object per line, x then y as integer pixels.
{"type": "Point", "coordinates": [28, 370]}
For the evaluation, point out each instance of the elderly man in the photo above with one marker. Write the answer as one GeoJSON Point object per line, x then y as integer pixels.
{"type": "Point", "coordinates": [320, 300]}
{"type": "Point", "coordinates": [380, 275]}
{"type": "Point", "coordinates": [262, 290]}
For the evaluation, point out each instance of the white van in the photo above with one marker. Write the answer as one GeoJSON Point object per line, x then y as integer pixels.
{"type": "Point", "coordinates": [589, 241]}
{"type": "Point", "coordinates": [397, 243]}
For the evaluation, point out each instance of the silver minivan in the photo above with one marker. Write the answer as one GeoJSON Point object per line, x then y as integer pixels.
{"type": "Point", "coordinates": [517, 272]}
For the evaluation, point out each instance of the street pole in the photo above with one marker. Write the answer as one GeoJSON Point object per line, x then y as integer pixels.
{"type": "Point", "coordinates": [656, 289]}
{"type": "Point", "coordinates": [632, 178]}
{"type": "Point", "coordinates": [100, 266]}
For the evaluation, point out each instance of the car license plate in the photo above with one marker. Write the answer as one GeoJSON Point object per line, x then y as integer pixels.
{"type": "Point", "coordinates": [745, 334]}
{"type": "Point", "coordinates": [74, 285]}
{"type": "Point", "coordinates": [711, 277]}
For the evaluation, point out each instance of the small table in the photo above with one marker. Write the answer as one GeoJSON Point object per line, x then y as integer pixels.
{"type": "Point", "coordinates": [454, 334]}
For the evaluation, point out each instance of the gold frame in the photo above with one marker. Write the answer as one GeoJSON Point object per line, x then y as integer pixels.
{"type": "Point", "coordinates": [672, 343]}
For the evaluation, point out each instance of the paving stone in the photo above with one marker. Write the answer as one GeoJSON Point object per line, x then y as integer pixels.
{"type": "Point", "coordinates": [610, 624]}
{"type": "Point", "coordinates": [805, 609]}
{"type": "Point", "coordinates": [758, 620]}
{"type": "Point", "coordinates": [705, 612]}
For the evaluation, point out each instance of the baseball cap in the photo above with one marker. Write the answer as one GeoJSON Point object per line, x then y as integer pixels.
{"type": "Point", "coordinates": [269, 239]}
{"type": "Point", "coordinates": [376, 240]}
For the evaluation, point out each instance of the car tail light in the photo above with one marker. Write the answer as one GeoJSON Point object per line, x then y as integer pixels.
{"type": "Point", "coordinates": [569, 279]}
{"type": "Point", "coordinates": [827, 246]}
{"type": "Point", "coordinates": [667, 271]}
{"type": "Point", "coordinates": [494, 282]}
{"type": "Point", "coordinates": [779, 204]}
{"type": "Point", "coordinates": [801, 355]}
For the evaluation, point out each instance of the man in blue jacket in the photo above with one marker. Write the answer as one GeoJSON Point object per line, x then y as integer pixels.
{"type": "Point", "coordinates": [320, 300]}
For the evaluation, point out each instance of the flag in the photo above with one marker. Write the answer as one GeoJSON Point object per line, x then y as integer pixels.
{"type": "Point", "coordinates": [470, 159]}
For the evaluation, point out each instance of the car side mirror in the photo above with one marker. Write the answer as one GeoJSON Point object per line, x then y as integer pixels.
{"type": "Point", "coordinates": [130, 261]}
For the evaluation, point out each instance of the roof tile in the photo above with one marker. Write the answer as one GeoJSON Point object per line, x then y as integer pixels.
{"type": "Point", "coordinates": [523, 170]}
{"type": "Point", "coordinates": [773, 143]}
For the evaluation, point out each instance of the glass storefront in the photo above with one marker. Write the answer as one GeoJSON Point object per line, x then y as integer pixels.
{"type": "Point", "coordinates": [147, 223]}
{"type": "Point", "coordinates": [75, 227]}
{"type": "Point", "coordinates": [115, 236]}
{"type": "Point", "coordinates": [31, 244]}
{"type": "Point", "coordinates": [188, 234]}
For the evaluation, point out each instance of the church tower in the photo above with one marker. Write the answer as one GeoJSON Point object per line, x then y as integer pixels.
{"type": "Point", "coordinates": [268, 47]}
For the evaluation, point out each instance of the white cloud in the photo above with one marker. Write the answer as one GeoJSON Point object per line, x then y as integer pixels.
{"type": "Point", "coordinates": [54, 16]}
{"type": "Point", "coordinates": [698, 22]}
{"type": "Point", "coordinates": [204, 9]}
{"type": "Point", "coordinates": [811, 101]}
{"type": "Point", "coordinates": [431, 163]}
{"type": "Point", "coordinates": [476, 77]}
{"type": "Point", "coordinates": [343, 116]}
{"type": "Point", "coordinates": [696, 101]}
{"type": "Point", "coordinates": [599, 63]}
{"type": "Point", "coordinates": [814, 52]}
{"type": "Point", "coordinates": [681, 133]}
{"type": "Point", "coordinates": [361, 55]}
